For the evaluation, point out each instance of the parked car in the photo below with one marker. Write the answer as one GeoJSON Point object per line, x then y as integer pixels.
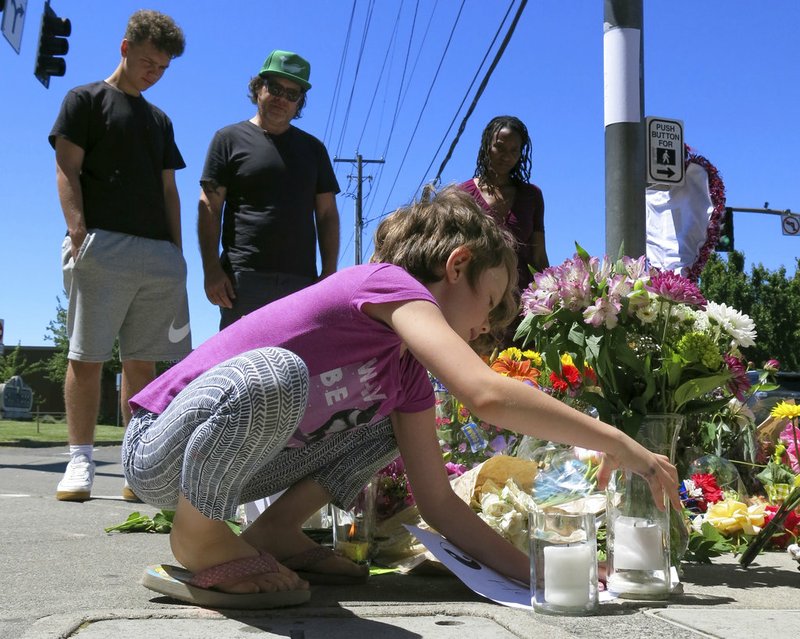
{"type": "Point", "coordinates": [762, 401]}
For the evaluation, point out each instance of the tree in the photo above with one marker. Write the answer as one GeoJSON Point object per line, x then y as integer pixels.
{"type": "Point", "coordinates": [14, 363]}
{"type": "Point", "coordinates": [770, 298]}
{"type": "Point", "coordinates": [56, 366]}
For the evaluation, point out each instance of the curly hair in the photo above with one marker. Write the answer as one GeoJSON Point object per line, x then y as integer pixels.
{"type": "Point", "coordinates": [256, 82]}
{"type": "Point", "coordinates": [521, 172]}
{"type": "Point", "coordinates": [159, 29]}
{"type": "Point", "coordinates": [421, 236]}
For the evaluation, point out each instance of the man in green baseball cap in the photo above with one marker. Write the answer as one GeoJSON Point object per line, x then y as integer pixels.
{"type": "Point", "coordinates": [269, 194]}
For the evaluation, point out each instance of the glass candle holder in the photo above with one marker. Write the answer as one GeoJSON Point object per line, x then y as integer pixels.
{"type": "Point", "coordinates": [638, 540]}
{"type": "Point", "coordinates": [563, 562]}
{"type": "Point", "coordinates": [354, 529]}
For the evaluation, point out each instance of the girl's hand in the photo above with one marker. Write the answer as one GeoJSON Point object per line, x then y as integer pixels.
{"type": "Point", "coordinates": [656, 469]}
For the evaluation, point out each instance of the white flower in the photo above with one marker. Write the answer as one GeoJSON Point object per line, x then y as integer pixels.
{"type": "Point", "coordinates": [648, 314]}
{"type": "Point", "coordinates": [691, 489]}
{"type": "Point", "coordinates": [697, 523]}
{"type": "Point", "coordinates": [492, 505]}
{"type": "Point", "coordinates": [737, 325]}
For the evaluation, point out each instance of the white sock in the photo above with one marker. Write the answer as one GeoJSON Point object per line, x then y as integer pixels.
{"type": "Point", "coordinates": [83, 449]}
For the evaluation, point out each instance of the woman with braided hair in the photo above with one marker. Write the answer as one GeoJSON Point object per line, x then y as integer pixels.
{"type": "Point", "coordinates": [501, 187]}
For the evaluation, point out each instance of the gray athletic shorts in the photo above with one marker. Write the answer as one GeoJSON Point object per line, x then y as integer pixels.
{"type": "Point", "coordinates": [129, 287]}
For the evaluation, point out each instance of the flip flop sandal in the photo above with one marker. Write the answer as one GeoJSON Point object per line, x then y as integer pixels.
{"type": "Point", "coordinates": [197, 588]}
{"type": "Point", "coordinates": [303, 562]}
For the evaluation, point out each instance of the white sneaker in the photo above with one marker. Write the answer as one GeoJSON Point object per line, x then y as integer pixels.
{"type": "Point", "coordinates": [76, 485]}
{"type": "Point", "coordinates": [128, 494]}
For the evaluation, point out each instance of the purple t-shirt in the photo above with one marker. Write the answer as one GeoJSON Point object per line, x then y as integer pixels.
{"type": "Point", "coordinates": [356, 371]}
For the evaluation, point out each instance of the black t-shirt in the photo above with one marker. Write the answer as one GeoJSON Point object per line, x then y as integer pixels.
{"type": "Point", "coordinates": [127, 142]}
{"type": "Point", "coordinates": [272, 182]}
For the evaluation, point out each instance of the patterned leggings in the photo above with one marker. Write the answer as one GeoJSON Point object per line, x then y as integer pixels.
{"type": "Point", "coordinates": [221, 441]}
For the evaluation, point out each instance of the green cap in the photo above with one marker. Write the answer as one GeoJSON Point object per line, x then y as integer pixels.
{"type": "Point", "coordinates": [288, 65]}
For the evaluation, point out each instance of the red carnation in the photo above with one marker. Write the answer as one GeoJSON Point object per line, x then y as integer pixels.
{"type": "Point", "coordinates": [791, 526]}
{"type": "Point", "coordinates": [708, 484]}
{"type": "Point", "coordinates": [572, 375]}
{"type": "Point", "coordinates": [558, 384]}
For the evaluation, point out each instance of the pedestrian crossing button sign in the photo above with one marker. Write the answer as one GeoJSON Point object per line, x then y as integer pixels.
{"type": "Point", "coordinates": [665, 151]}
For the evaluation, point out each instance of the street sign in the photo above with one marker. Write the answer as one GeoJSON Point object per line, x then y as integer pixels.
{"type": "Point", "coordinates": [665, 151]}
{"type": "Point", "coordinates": [13, 21]}
{"type": "Point", "coordinates": [790, 223]}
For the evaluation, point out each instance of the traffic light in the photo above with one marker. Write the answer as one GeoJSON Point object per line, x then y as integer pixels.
{"type": "Point", "coordinates": [725, 241]}
{"type": "Point", "coordinates": [52, 44]}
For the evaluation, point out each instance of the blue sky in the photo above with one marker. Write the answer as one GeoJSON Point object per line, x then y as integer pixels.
{"type": "Point", "coordinates": [727, 68]}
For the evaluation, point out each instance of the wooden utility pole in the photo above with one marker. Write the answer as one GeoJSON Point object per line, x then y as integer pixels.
{"type": "Point", "coordinates": [359, 225]}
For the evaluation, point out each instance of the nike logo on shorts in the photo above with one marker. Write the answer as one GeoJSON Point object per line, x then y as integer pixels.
{"type": "Point", "coordinates": [178, 334]}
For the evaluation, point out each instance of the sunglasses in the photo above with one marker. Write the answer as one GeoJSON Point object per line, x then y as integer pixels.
{"type": "Point", "coordinates": [277, 90]}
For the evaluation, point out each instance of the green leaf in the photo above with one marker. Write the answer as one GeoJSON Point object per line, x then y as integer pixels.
{"type": "Point", "coordinates": [698, 387]}
{"type": "Point", "coordinates": [524, 330]}
{"type": "Point", "coordinates": [582, 252]}
{"type": "Point", "coordinates": [234, 526]}
{"type": "Point", "coordinates": [136, 522]}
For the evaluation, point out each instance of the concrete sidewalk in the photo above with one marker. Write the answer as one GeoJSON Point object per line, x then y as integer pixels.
{"type": "Point", "coordinates": [61, 575]}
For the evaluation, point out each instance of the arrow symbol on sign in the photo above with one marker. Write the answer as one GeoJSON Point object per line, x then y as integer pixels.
{"type": "Point", "coordinates": [668, 172]}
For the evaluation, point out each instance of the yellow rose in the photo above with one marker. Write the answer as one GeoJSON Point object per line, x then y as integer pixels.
{"type": "Point", "coordinates": [726, 516]}
{"type": "Point", "coordinates": [754, 521]}
{"type": "Point", "coordinates": [731, 516]}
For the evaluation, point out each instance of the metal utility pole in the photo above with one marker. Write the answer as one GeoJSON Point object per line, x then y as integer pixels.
{"type": "Point", "coordinates": [359, 195]}
{"type": "Point", "coordinates": [624, 127]}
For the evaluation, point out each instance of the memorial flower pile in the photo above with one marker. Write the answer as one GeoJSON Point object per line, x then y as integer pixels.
{"type": "Point", "coordinates": [725, 521]}
{"type": "Point", "coordinates": [653, 342]}
{"type": "Point", "coordinates": [700, 491]}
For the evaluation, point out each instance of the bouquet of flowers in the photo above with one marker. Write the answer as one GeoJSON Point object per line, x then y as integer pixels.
{"type": "Point", "coordinates": [723, 520]}
{"type": "Point", "coordinates": [654, 343]}
{"type": "Point", "coordinates": [468, 440]}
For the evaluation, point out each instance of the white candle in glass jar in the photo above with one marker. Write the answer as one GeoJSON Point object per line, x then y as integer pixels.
{"type": "Point", "coordinates": [638, 544]}
{"type": "Point", "coordinates": [566, 575]}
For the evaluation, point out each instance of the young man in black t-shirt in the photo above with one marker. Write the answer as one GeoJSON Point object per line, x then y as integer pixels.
{"type": "Point", "coordinates": [123, 267]}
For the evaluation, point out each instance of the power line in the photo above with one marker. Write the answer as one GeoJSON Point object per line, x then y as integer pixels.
{"type": "Point", "coordinates": [335, 100]}
{"type": "Point", "coordinates": [380, 76]}
{"type": "Point", "coordinates": [466, 93]}
{"type": "Point", "coordinates": [481, 88]}
{"type": "Point", "coordinates": [425, 103]}
{"type": "Point", "coordinates": [402, 82]}
{"type": "Point", "coordinates": [367, 22]}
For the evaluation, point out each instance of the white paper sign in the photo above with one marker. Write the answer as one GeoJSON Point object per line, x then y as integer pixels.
{"type": "Point", "coordinates": [475, 575]}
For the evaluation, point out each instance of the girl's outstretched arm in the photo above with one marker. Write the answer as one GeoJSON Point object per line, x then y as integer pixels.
{"type": "Point", "coordinates": [511, 404]}
{"type": "Point", "coordinates": [441, 508]}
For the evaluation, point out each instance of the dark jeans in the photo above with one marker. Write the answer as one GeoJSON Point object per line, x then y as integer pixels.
{"type": "Point", "coordinates": [254, 290]}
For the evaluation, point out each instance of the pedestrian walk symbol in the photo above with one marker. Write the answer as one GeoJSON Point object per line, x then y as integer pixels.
{"type": "Point", "coordinates": [666, 157]}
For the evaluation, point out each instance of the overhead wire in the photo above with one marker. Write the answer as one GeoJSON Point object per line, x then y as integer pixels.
{"type": "Point", "coordinates": [380, 77]}
{"type": "Point", "coordinates": [400, 89]}
{"type": "Point", "coordinates": [481, 88]}
{"type": "Point", "coordinates": [367, 22]}
{"type": "Point", "coordinates": [339, 75]}
{"type": "Point", "coordinates": [466, 94]}
{"type": "Point", "coordinates": [425, 102]}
